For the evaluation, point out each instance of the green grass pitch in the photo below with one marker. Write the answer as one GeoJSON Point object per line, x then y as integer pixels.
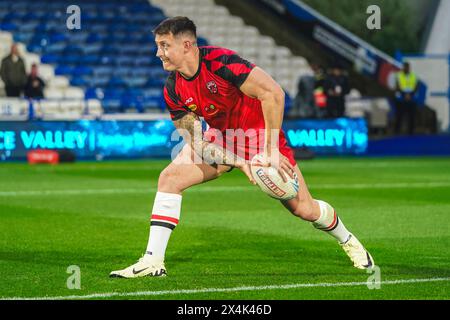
{"type": "Point", "coordinates": [231, 235]}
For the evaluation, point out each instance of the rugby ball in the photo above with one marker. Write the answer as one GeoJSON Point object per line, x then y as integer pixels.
{"type": "Point", "coordinates": [270, 181]}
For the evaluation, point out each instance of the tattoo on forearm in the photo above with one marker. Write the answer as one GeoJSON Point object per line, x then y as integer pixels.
{"type": "Point", "coordinates": [190, 129]}
{"type": "Point", "coordinates": [212, 153]}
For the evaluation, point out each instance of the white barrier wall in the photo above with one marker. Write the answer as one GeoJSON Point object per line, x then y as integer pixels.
{"type": "Point", "coordinates": [434, 71]}
{"type": "Point", "coordinates": [18, 109]}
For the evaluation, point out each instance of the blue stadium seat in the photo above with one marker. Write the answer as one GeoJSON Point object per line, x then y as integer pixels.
{"type": "Point", "coordinates": [151, 103]}
{"type": "Point", "coordinates": [93, 38]}
{"type": "Point", "coordinates": [122, 72]}
{"type": "Point", "coordinates": [73, 49]}
{"type": "Point", "coordinates": [79, 82]}
{"type": "Point", "coordinates": [94, 93]}
{"type": "Point", "coordinates": [8, 26]}
{"type": "Point", "coordinates": [12, 15]}
{"type": "Point", "coordinates": [125, 61]}
{"type": "Point", "coordinates": [63, 70]}
{"type": "Point", "coordinates": [99, 81]}
{"type": "Point", "coordinates": [58, 37]}
{"type": "Point", "coordinates": [152, 92]}
{"type": "Point", "coordinates": [139, 72]}
{"type": "Point", "coordinates": [99, 71]}
{"type": "Point", "coordinates": [29, 26]}
{"type": "Point", "coordinates": [147, 49]}
{"type": "Point", "coordinates": [81, 71]}
{"type": "Point", "coordinates": [78, 37]}
{"type": "Point", "coordinates": [107, 60]}
{"type": "Point", "coordinates": [90, 59]}
{"type": "Point", "coordinates": [91, 48]}
{"type": "Point", "coordinates": [117, 82]}
{"type": "Point", "coordinates": [112, 105]}
{"type": "Point", "coordinates": [114, 93]}
{"type": "Point", "coordinates": [23, 36]}
{"type": "Point", "coordinates": [156, 82]}
{"type": "Point", "coordinates": [143, 61]}
{"type": "Point", "coordinates": [54, 47]}
{"type": "Point", "coordinates": [71, 59]}
{"type": "Point", "coordinates": [36, 48]}
{"type": "Point", "coordinates": [136, 82]}
{"type": "Point", "coordinates": [50, 58]}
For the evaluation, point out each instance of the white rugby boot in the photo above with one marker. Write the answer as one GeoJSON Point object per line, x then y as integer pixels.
{"type": "Point", "coordinates": [360, 257]}
{"type": "Point", "coordinates": [142, 268]}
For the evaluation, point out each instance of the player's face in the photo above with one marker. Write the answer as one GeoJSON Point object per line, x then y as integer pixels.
{"type": "Point", "coordinates": [170, 51]}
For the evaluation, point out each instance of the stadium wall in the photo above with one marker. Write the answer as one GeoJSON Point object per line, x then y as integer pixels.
{"type": "Point", "coordinates": [126, 139]}
{"type": "Point", "coordinates": [435, 71]}
{"type": "Point", "coordinates": [133, 139]}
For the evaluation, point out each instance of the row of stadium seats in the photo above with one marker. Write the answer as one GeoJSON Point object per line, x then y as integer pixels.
{"type": "Point", "coordinates": [111, 58]}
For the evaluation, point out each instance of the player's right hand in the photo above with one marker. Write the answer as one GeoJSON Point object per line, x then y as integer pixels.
{"type": "Point", "coordinates": [244, 166]}
{"type": "Point", "coordinates": [279, 162]}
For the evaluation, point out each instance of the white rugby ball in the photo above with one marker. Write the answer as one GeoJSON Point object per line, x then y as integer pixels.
{"type": "Point", "coordinates": [270, 181]}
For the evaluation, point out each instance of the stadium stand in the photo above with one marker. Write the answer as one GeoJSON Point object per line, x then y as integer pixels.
{"type": "Point", "coordinates": [111, 59]}
{"type": "Point", "coordinates": [109, 65]}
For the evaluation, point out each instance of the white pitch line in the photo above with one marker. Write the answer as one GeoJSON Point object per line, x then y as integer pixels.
{"type": "Point", "coordinates": [144, 190]}
{"type": "Point", "coordinates": [235, 289]}
{"type": "Point", "coordinates": [397, 185]}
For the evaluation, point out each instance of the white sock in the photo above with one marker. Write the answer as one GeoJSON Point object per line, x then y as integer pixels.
{"type": "Point", "coordinates": [330, 222]}
{"type": "Point", "coordinates": [165, 216]}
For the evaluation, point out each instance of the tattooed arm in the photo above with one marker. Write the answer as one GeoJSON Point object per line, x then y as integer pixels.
{"type": "Point", "coordinates": [190, 128]}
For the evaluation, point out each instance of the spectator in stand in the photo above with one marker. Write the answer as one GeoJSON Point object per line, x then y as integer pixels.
{"type": "Point", "coordinates": [12, 72]}
{"type": "Point", "coordinates": [34, 88]}
{"type": "Point", "coordinates": [336, 88]}
{"type": "Point", "coordinates": [320, 98]}
{"type": "Point", "coordinates": [405, 92]}
{"type": "Point", "coordinates": [308, 103]}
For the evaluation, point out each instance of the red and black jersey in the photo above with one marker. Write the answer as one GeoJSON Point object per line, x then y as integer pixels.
{"type": "Point", "coordinates": [213, 93]}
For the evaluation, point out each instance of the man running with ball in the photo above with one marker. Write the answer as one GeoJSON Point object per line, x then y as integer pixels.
{"type": "Point", "coordinates": [230, 93]}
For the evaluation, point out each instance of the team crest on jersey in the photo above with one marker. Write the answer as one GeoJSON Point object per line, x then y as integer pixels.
{"type": "Point", "coordinates": [212, 87]}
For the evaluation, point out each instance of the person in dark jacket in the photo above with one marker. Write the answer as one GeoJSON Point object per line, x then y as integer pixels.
{"type": "Point", "coordinates": [34, 88]}
{"type": "Point", "coordinates": [336, 88]}
{"type": "Point", "coordinates": [13, 74]}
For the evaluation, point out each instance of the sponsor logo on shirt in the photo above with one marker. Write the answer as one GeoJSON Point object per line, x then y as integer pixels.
{"type": "Point", "coordinates": [211, 110]}
{"type": "Point", "coordinates": [192, 107]}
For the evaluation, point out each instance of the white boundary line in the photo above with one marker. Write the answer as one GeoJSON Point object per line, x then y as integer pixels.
{"type": "Point", "coordinates": [144, 190]}
{"type": "Point", "coordinates": [235, 289]}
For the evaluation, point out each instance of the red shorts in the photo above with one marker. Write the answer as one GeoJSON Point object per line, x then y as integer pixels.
{"type": "Point", "coordinates": [249, 144]}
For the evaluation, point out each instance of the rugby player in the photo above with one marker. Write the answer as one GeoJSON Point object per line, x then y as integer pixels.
{"type": "Point", "coordinates": [228, 92]}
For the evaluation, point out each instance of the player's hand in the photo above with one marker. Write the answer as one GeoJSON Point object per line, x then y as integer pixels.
{"type": "Point", "coordinates": [279, 162]}
{"type": "Point", "coordinates": [244, 166]}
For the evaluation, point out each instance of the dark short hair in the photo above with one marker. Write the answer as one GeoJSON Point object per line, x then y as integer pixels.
{"type": "Point", "coordinates": [176, 26]}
